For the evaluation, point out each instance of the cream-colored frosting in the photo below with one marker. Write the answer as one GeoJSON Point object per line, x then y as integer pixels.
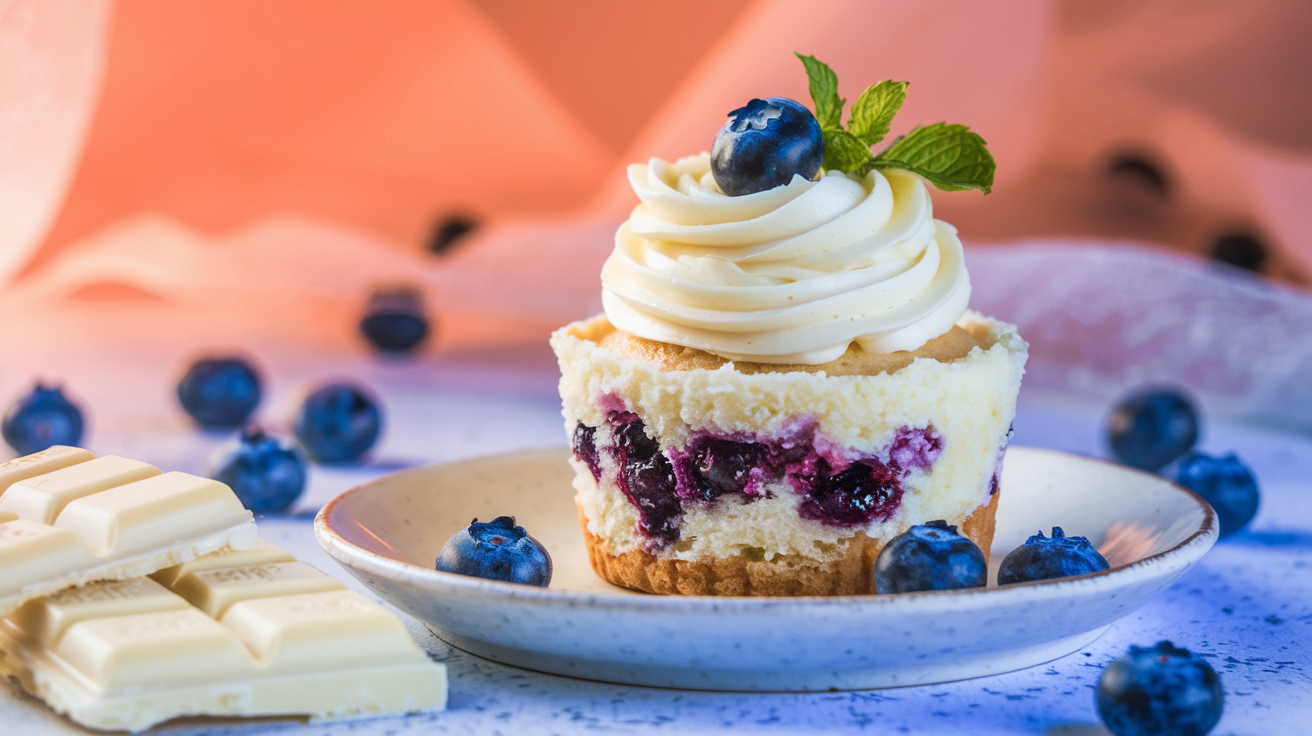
{"type": "Point", "coordinates": [793, 274]}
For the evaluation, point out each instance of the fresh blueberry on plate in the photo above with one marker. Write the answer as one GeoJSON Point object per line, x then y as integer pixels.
{"type": "Point", "coordinates": [929, 556]}
{"type": "Point", "coordinates": [338, 423]}
{"type": "Point", "coordinates": [220, 393]}
{"type": "Point", "coordinates": [1226, 483]}
{"type": "Point", "coordinates": [394, 321]}
{"type": "Point", "coordinates": [1151, 427]}
{"type": "Point", "coordinates": [1058, 556]}
{"type": "Point", "coordinates": [764, 145]}
{"type": "Point", "coordinates": [267, 473]}
{"type": "Point", "coordinates": [496, 550]}
{"type": "Point", "coordinates": [40, 419]}
{"type": "Point", "coordinates": [1159, 691]}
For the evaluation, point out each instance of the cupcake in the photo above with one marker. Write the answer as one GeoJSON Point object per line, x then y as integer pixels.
{"type": "Point", "coordinates": [787, 375]}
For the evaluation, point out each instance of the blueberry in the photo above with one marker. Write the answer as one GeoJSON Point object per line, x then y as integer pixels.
{"type": "Point", "coordinates": [41, 419]}
{"type": "Point", "coordinates": [1151, 427]}
{"type": "Point", "coordinates": [267, 473]}
{"type": "Point", "coordinates": [859, 494]}
{"type": "Point", "coordinates": [1041, 558]}
{"type": "Point", "coordinates": [1143, 168]}
{"type": "Point", "coordinates": [338, 423]}
{"type": "Point", "coordinates": [220, 393]}
{"type": "Point", "coordinates": [1159, 691]}
{"type": "Point", "coordinates": [496, 550]}
{"type": "Point", "coordinates": [1226, 483]}
{"type": "Point", "coordinates": [764, 144]}
{"type": "Point", "coordinates": [723, 466]}
{"type": "Point", "coordinates": [395, 321]}
{"type": "Point", "coordinates": [930, 556]}
{"type": "Point", "coordinates": [1242, 250]}
{"type": "Point", "coordinates": [646, 478]}
{"type": "Point", "coordinates": [584, 444]}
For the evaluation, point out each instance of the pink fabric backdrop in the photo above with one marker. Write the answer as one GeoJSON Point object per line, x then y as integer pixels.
{"type": "Point", "coordinates": [283, 158]}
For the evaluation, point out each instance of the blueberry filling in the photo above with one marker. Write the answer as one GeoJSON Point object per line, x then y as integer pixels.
{"type": "Point", "coordinates": [835, 490]}
{"type": "Point", "coordinates": [585, 448]}
{"type": "Point", "coordinates": [645, 477]}
{"type": "Point", "coordinates": [859, 494]}
{"type": "Point", "coordinates": [711, 467]}
{"type": "Point", "coordinates": [915, 449]}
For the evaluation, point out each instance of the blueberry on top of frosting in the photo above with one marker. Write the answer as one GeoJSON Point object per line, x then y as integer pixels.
{"type": "Point", "coordinates": [746, 253]}
{"type": "Point", "coordinates": [765, 144]}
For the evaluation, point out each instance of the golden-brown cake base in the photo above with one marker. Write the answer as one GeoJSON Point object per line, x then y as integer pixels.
{"type": "Point", "coordinates": [786, 575]}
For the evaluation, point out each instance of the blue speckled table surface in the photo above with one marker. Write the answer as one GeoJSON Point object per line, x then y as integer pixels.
{"type": "Point", "coordinates": [1247, 606]}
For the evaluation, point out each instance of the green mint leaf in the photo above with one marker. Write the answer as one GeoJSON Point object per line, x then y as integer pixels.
{"type": "Point", "coordinates": [824, 92]}
{"type": "Point", "coordinates": [951, 157]}
{"type": "Point", "coordinates": [873, 111]}
{"type": "Point", "coordinates": [843, 152]}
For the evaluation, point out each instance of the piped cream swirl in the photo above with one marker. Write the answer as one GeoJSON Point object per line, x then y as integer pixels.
{"type": "Point", "coordinates": [794, 274]}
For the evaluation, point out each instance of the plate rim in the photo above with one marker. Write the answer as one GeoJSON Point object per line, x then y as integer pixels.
{"type": "Point", "coordinates": [354, 556]}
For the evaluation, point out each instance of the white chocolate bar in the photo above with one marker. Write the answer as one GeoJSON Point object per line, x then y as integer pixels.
{"type": "Point", "coordinates": [68, 517]}
{"type": "Point", "coordinates": [245, 633]}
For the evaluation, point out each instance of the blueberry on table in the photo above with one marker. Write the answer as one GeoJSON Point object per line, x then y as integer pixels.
{"type": "Point", "coordinates": [1042, 558]}
{"type": "Point", "coordinates": [1161, 690]}
{"type": "Point", "coordinates": [929, 556]}
{"type": "Point", "coordinates": [338, 423]}
{"type": "Point", "coordinates": [496, 550]}
{"type": "Point", "coordinates": [1224, 482]}
{"type": "Point", "coordinates": [764, 144]}
{"type": "Point", "coordinates": [1151, 427]}
{"type": "Point", "coordinates": [394, 321]}
{"type": "Point", "coordinates": [41, 419]}
{"type": "Point", "coordinates": [267, 473]}
{"type": "Point", "coordinates": [220, 393]}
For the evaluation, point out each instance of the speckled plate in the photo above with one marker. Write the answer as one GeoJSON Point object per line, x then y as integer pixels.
{"type": "Point", "coordinates": [387, 533]}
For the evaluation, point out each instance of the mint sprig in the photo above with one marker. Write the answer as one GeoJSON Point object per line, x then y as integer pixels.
{"type": "Point", "coordinates": [844, 152]}
{"type": "Point", "coordinates": [873, 111]}
{"type": "Point", "coordinates": [824, 92]}
{"type": "Point", "coordinates": [951, 157]}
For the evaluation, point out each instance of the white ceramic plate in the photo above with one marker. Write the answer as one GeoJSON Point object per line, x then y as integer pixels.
{"type": "Point", "coordinates": [388, 533]}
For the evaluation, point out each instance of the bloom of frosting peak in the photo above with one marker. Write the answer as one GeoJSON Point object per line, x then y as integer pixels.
{"type": "Point", "coordinates": [794, 274]}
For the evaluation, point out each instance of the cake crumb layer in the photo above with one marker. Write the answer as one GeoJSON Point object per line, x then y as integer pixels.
{"type": "Point", "coordinates": [852, 573]}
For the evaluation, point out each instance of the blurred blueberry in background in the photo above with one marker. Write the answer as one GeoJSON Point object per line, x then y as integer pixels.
{"type": "Point", "coordinates": [42, 418]}
{"type": "Point", "coordinates": [338, 423]}
{"type": "Point", "coordinates": [266, 472]}
{"type": "Point", "coordinates": [1151, 427]}
{"type": "Point", "coordinates": [394, 321]}
{"type": "Point", "coordinates": [1159, 691]}
{"type": "Point", "coordinates": [1142, 167]}
{"type": "Point", "coordinates": [220, 393]}
{"type": "Point", "coordinates": [1241, 250]}
{"type": "Point", "coordinates": [1224, 482]}
{"type": "Point", "coordinates": [449, 232]}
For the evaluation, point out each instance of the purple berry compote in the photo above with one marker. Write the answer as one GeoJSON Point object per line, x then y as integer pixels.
{"type": "Point", "coordinates": [836, 489]}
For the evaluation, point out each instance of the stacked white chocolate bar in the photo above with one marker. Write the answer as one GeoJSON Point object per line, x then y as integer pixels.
{"type": "Point", "coordinates": [225, 624]}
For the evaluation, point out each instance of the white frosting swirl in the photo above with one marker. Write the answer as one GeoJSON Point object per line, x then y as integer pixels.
{"type": "Point", "coordinates": [793, 274]}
